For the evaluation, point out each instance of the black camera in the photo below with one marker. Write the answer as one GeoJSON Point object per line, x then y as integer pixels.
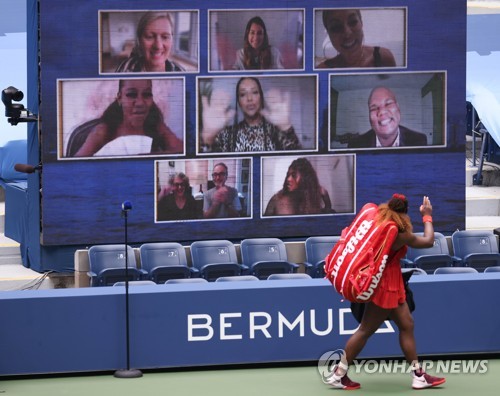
{"type": "Point", "coordinates": [12, 109]}
{"type": "Point", "coordinates": [15, 112]}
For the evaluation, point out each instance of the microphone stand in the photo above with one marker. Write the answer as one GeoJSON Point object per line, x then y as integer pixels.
{"type": "Point", "coordinates": [128, 372]}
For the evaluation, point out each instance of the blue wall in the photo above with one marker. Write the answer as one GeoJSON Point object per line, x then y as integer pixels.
{"type": "Point", "coordinates": [76, 330]}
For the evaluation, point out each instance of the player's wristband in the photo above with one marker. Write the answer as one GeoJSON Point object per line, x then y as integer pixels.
{"type": "Point", "coordinates": [427, 219]}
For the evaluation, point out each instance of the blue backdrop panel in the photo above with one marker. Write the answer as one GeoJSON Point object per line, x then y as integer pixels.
{"type": "Point", "coordinates": [81, 198]}
{"type": "Point", "coordinates": [231, 323]}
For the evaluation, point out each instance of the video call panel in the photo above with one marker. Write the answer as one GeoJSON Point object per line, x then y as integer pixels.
{"type": "Point", "coordinates": [159, 94]}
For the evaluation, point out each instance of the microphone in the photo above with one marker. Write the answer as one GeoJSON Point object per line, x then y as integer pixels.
{"type": "Point", "coordinates": [25, 168]}
{"type": "Point", "coordinates": [126, 206]}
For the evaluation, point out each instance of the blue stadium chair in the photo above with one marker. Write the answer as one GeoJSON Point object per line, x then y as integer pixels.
{"type": "Point", "coordinates": [266, 256]}
{"type": "Point", "coordinates": [496, 268]}
{"type": "Point", "coordinates": [431, 258]}
{"type": "Point", "coordinates": [215, 258]}
{"type": "Point", "coordinates": [239, 278]}
{"type": "Point", "coordinates": [186, 280]}
{"type": "Point", "coordinates": [165, 260]}
{"type": "Point", "coordinates": [455, 270]}
{"type": "Point", "coordinates": [136, 283]}
{"type": "Point", "coordinates": [107, 265]}
{"type": "Point", "coordinates": [317, 248]}
{"type": "Point", "coordinates": [289, 276]}
{"type": "Point", "coordinates": [476, 248]}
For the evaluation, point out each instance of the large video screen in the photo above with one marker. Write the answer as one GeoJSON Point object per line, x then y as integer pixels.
{"type": "Point", "coordinates": [224, 120]}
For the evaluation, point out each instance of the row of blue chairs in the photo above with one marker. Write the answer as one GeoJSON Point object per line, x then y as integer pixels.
{"type": "Point", "coordinates": [240, 278]}
{"type": "Point", "coordinates": [477, 249]}
{"type": "Point", "coordinates": [450, 270]}
{"type": "Point", "coordinates": [464, 270]}
{"type": "Point", "coordinates": [210, 259]}
{"type": "Point", "coordinates": [262, 257]}
{"type": "Point", "coordinates": [295, 276]}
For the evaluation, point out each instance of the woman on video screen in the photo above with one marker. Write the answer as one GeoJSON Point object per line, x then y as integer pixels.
{"type": "Point", "coordinates": [266, 125]}
{"type": "Point", "coordinates": [257, 53]}
{"type": "Point", "coordinates": [153, 45]}
{"type": "Point", "coordinates": [345, 30]}
{"type": "Point", "coordinates": [301, 194]}
{"type": "Point", "coordinates": [131, 124]}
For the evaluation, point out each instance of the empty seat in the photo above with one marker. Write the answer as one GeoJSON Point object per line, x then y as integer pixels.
{"type": "Point", "coordinates": [215, 258]}
{"type": "Point", "coordinates": [476, 248]}
{"type": "Point", "coordinates": [455, 270]}
{"type": "Point", "coordinates": [108, 265]}
{"type": "Point", "coordinates": [317, 248]}
{"type": "Point", "coordinates": [135, 283]}
{"type": "Point", "coordinates": [186, 280]}
{"type": "Point", "coordinates": [289, 276]}
{"type": "Point", "coordinates": [492, 269]}
{"type": "Point", "coordinates": [240, 278]}
{"type": "Point", "coordinates": [266, 256]}
{"type": "Point", "coordinates": [165, 260]}
{"type": "Point", "coordinates": [431, 258]}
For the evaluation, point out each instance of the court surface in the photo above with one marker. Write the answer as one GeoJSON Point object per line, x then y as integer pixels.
{"type": "Point", "coordinates": [242, 381]}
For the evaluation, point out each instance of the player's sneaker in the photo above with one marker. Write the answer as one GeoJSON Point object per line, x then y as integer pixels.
{"type": "Point", "coordinates": [343, 382]}
{"type": "Point", "coordinates": [422, 380]}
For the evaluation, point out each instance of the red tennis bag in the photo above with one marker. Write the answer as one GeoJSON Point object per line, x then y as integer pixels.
{"type": "Point", "coordinates": [357, 261]}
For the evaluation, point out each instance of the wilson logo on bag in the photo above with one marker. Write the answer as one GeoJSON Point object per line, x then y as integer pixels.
{"type": "Point", "coordinates": [357, 261]}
